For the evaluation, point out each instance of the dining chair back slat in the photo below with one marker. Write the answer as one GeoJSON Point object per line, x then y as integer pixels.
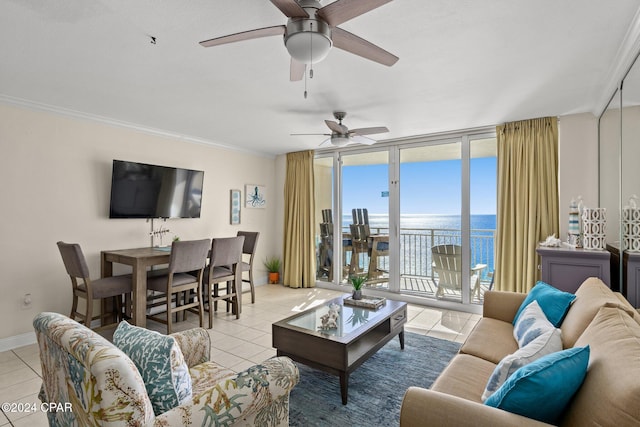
{"type": "Point", "coordinates": [249, 248]}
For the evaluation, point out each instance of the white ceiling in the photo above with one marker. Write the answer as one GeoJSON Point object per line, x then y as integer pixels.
{"type": "Point", "coordinates": [463, 64]}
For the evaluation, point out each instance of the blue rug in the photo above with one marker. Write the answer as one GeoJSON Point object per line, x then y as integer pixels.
{"type": "Point", "coordinates": [376, 388]}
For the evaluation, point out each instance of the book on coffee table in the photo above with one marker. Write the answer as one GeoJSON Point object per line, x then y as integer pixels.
{"type": "Point", "coordinates": [366, 302]}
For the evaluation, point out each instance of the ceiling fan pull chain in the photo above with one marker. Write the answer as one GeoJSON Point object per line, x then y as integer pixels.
{"type": "Point", "coordinates": [310, 62]}
{"type": "Point", "coordinates": [311, 50]}
{"type": "Point", "coordinates": [305, 85]}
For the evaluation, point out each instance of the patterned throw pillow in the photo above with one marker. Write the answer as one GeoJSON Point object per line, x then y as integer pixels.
{"type": "Point", "coordinates": [547, 343]}
{"type": "Point", "coordinates": [160, 362]}
{"type": "Point", "coordinates": [553, 302]}
{"type": "Point", "coordinates": [531, 324]}
{"type": "Point", "coordinates": [542, 389]}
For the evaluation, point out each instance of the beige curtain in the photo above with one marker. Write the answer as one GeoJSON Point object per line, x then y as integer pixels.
{"type": "Point", "coordinates": [299, 229]}
{"type": "Point", "coordinates": [527, 199]}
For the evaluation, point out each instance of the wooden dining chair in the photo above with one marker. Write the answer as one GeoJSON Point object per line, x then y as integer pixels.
{"type": "Point", "coordinates": [249, 248]}
{"type": "Point", "coordinates": [224, 267]}
{"type": "Point", "coordinates": [83, 287]}
{"type": "Point", "coordinates": [186, 257]}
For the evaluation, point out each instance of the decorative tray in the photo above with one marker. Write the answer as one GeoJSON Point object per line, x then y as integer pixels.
{"type": "Point", "coordinates": [366, 302]}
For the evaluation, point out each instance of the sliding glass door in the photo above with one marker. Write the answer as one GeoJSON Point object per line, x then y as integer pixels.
{"type": "Point", "coordinates": [365, 216]}
{"type": "Point", "coordinates": [416, 218]}
{"type": "Point", "coordinates": [430, 240]}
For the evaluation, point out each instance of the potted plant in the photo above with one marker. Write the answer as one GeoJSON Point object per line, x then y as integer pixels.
{"type": "Point", "coordinates": [273, 267]}
{"type": "Point", "coordinates": [357, 282]}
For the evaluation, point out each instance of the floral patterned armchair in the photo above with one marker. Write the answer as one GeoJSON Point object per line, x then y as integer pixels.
{"type": "Point", "coordinates": [94, 383]}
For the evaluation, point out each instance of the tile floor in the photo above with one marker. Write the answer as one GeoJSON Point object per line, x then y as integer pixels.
{"type": "Point", "coordinates": [236, 343]}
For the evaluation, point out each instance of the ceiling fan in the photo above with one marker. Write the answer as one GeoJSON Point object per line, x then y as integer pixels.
{"type": "Point", "coordinates": [312, 30]}
{"type": "Point", "coordinates": [341, 135]}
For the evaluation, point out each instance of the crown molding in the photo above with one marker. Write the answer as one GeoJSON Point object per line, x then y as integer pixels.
{"type": "Point", "coordinates": [38, 106]}
{"type": "Point", "coordinates": [622, 63]}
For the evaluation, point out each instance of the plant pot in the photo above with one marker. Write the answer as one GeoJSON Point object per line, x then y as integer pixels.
{"type": "Point", "coordinates": [357, 294]}
{"type": "Point", "coordinates": [274, 278]}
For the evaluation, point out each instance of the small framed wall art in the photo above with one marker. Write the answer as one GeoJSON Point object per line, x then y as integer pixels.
{"type": "Point", "coordinates": [235, 204]}
{"type": "Point", "coordinates": [255, 196]}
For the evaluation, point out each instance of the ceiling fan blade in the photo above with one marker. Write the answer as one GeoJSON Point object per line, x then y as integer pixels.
{"type": "Point", "coordinates": [290, 8]}
{"type": "Point", "coordinates": [297, 70]}
{"type": "Point", "coordinates": [369, 131]}
{"type": "Point", "coordinates": [338, 128]}
{"type": "Point", "coordinates": [310, 134]}
{"type": "Point", "coordinates": [343, 10]}
{"type": "Point", "coordinates": [278, 30]}
{"type": "Point", "coordinates": [358, 46]}
{"type": "Point", "coordinates": [362, 140]}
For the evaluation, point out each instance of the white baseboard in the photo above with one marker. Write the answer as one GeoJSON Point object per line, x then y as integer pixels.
{"type": "Point", "coordinates": [16, 341]}
{"type": "Point", "coordinates": [28, 338]}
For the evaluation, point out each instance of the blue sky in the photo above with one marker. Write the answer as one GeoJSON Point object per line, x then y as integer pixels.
{"type": "Point", "coordinates": [425, 187]}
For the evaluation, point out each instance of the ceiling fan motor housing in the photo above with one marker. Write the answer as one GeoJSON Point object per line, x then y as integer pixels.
{"type": "Point", "coordinates": [308, 40]}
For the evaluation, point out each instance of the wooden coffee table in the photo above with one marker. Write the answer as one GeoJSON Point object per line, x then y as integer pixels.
{"type": "Point", "coordinates": [339, 351]}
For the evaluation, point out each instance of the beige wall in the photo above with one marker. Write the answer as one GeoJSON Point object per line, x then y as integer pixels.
{"type": "Point", "coordinates": [55, 180]}
{"type": "Point", "coordinates": [578, 160]}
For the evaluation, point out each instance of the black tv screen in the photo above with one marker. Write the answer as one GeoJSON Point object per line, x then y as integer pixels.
{"type": "Point", "coordinates": [140, 190]}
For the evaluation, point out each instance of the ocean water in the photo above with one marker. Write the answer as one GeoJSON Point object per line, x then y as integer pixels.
{"type": "Point", "coordinates": [419, 232]}
{"type": "Point", "coordinates": [427, 221]}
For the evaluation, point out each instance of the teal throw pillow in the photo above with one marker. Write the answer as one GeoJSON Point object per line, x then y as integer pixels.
{"type": "Point", "coordinates": [160, 363]}
{"type": "Point", "coordinates": [542, 389]}
{"type": "Point", "coordinates": [547, 343]}
{"type": "Point", "coordinates": [553, 302]}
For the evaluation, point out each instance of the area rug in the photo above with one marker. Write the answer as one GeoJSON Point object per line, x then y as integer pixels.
{"type": "Point", "coordinates": [376, 388]}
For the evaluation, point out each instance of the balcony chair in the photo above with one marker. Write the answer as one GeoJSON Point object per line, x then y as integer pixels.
{"type": "Point", "coordinates": [108, 287]}
{"type": "Point", "coordinates": [249, 248]}
{"type": "Point", "coordinates": [363, 242]}
{"type": "Point", "coordinates": [325, 249]}
{"type": "Point", "coordinates": [186, 257]}
{"type": "Point", "coordinates": [224, 267]}
{"type": "Point", "coordinates": [447, 264]}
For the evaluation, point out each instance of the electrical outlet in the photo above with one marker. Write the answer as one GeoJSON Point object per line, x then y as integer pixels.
{"type": "Point", "coordinates": [26, 301]}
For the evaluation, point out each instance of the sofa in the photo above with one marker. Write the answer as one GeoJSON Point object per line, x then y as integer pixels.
{"type": "Point", "coordinates": [87, 380]}
{"type": "Point", "coordinates": [608, 396]}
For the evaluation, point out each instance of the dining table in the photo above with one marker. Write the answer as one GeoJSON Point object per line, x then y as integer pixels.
{"type": "Point", "coordinates": [139, 259]}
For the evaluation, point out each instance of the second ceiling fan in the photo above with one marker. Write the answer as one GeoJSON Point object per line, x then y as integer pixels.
{"type": "Point", "coordinates": [312, 30]}
{"type": "Point", "coordinates": [341, 135]}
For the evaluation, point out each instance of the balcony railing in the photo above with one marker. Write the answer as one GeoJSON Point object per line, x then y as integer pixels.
{"type": "Point", "coordinates": [416, 243]}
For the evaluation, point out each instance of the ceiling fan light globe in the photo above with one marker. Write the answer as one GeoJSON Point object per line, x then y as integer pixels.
{"type": "Point", "coordinates": [339, 141]}
{"type": "Point", "coordinates": [308, 40]}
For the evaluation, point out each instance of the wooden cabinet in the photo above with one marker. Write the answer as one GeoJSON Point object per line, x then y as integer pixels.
{"type": "Point", "coordinates": [630, 285]}
{"type": "Point", "coordinates": [566, 268]}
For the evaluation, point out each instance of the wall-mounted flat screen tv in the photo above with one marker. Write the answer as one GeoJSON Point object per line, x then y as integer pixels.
{"type": "Point", "coordinates": [140, 190]}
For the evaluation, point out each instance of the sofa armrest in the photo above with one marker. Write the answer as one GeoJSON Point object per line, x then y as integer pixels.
{"type": "Point", "coordinates": [195, 345]}
{"type": "Point", "coordinates": [258, 395]}
{"type": "Point", "coordinates": [422, 407]}
{"type": "Point", "coordinates": [502, 305]}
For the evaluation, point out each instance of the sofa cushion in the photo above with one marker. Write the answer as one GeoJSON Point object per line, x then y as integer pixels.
{"type": "Point", "coordinates": [611, 390]}
{"type": "Point", "coordinates": [542, 389]}
{"type": "Point", "coordinates": [547, 343]}
{"type": "Point", "coordinates": [160, 362]}
{"type": "Point", "coordinates": [553, 302]}
{"type": "Point", "coordinates": [628, 307]}
{"type": "Point", "coordinates": [464, 377]}
{"type": "Point", "coordinates": [590, 297]}
{"type": "Point", "coordinates": [531, 323]}
{"type": "Point", "coordinates": [490, 340]}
